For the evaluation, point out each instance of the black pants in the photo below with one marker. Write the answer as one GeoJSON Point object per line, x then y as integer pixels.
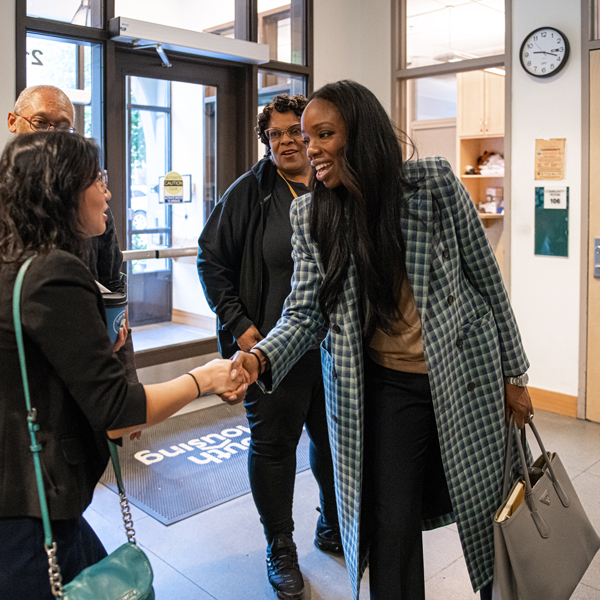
{"type": "Point", "coordinates": [404, 480]}
{"type": "Point", "coordinates": [24, 563]}
{"type": "Point", "coordinates": [276, 422]}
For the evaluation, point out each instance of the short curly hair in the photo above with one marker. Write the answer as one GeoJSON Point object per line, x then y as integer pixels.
{"type": "Point", "coordinates": [282, 104]}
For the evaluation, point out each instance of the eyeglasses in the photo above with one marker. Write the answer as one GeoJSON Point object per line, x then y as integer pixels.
{"type": "Point", "coordinates": [102, 179]}
{"type": "Point", "coordinates": [274, 134]}
{"type": "Point", "coordinates": [39, 124]}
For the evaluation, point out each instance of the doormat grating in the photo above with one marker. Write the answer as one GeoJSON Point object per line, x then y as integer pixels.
{"type": "Point", "coordinates": [190, 463]}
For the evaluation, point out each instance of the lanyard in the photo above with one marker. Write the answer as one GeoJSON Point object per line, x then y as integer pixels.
{"type": "Point", "coordinates": [289, 184]}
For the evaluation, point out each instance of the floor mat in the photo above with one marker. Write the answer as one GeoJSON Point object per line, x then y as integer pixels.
{"type": "Point", "coordinates": [190, 463]}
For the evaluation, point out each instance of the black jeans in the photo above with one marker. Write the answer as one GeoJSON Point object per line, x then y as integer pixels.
{"type": "Point", "coordinates": [404, 480]}
{"type": "Point", "coordinates": [276, 422]}
{"type": "Point", "coordinates": [23, 560]}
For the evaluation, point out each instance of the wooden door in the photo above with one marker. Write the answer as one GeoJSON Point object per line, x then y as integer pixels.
{"type": "Point", "coordinates": [593, 324]}
{"type": "Point", "coordinates": [470, 104]}
{"type": "Point", "coordinates": [493, 123]}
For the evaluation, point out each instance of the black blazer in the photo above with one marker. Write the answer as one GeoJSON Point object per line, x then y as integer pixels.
{"type": "Point", "coordinates": [76, 383]}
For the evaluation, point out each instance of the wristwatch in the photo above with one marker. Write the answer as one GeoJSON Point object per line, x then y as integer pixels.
{"type": "Point", "coordinates": [520, 380]}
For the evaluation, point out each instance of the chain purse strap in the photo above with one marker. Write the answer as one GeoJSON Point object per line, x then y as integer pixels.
{"type": "Point", "coordinates": [49, 545]}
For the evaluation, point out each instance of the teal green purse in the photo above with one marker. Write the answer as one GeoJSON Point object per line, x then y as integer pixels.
{"type": "Point", "coordinates": [126, 573]}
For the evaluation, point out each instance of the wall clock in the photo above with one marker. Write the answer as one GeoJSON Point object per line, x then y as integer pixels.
{"type": "Point", "coordinates": [544, 52]}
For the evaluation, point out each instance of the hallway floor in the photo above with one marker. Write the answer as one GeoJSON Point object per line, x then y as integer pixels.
{"type": "Point", "coordinates": [220, 554]}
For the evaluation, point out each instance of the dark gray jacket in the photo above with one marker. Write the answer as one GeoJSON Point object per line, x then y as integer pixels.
{"type": "Point", "coordinates": [230, 254]}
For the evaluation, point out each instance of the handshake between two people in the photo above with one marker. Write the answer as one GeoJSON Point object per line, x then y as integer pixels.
{"type": "Point", "coordinates": [246, 367]}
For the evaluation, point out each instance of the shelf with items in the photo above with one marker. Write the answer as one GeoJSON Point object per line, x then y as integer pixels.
{"type": "Point", "coordinates": [480, 129]}
{"type": "Point", "coordinates": [469, 151]}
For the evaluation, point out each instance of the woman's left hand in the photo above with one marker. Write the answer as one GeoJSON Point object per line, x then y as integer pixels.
{"type": "Point", "coordinates": [518, 404]}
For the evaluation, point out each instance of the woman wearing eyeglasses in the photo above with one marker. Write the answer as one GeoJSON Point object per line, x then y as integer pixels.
{"type": "Point", "coordinates": [245, 266]}
{"type": "Point", "coordinates": [53, 200]}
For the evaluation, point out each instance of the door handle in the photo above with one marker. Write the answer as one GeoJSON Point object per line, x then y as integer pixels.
{"type": "Point", "coordinates": [597, 258]}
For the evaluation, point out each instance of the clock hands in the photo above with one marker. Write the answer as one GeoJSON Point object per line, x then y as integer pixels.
{"type": "Point", "coordinates": [542, 52]}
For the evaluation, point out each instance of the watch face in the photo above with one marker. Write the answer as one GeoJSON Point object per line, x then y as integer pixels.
{"type": "Point", "coordinates": [544, 52]}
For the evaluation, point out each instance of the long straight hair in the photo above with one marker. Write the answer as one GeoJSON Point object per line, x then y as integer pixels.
{"type": "Point", "coordinates": [42, 176]}
{"type": "Point", "coordinates": [360, 221]}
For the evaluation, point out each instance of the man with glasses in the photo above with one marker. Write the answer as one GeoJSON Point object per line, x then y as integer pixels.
{"type": "Point", "coordinates": [245, 266]}
{"type": "Point", "coordinates": [48, 108]}
{"type": "Point", "coordinates": [41, 108]}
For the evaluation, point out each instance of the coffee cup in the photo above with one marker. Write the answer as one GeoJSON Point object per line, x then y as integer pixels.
{"type": "Point", "coordinates": [115, 305]}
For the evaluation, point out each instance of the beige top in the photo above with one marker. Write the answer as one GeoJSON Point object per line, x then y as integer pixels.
{"type": "Point", "coordinates": [404, 350]}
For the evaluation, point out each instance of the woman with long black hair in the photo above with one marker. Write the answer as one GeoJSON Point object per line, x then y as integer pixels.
{"type": "Point", "coordinates": [423, 360]}
{"type": "Point", "coordinates": [53, 198]}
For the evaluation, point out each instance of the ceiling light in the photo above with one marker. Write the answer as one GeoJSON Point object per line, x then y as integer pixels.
{"type": "Point", "coordinates": [453, 56]}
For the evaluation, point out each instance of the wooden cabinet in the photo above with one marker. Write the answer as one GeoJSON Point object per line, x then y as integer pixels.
{"type": "Point", "coordinates": [493, 114]}
{"type": "Point", "coordinates": [480, 129]}
{"type": "Point", "coordinates": [480, 104]}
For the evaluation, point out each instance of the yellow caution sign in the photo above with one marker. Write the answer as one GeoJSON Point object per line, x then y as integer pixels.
{"type": "Point", "coordinates": [173, 187]}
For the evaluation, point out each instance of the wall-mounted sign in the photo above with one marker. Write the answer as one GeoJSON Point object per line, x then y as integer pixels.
{"type": "Point", "coordinates": [172, 186]}
{"type": "Point", "coordinates": [175, 188]}
{"type": "Point", "coordinates": [550, 159]}
{"type": "Point", "coordinates": [555, 197]}
{"type": "Point", "coordinates": [552, 221]}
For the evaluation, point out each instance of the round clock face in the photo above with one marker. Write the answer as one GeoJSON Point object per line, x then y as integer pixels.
{"type": "Point", "coordinates": [544, 52]}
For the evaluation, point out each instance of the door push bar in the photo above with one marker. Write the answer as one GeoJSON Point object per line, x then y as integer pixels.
{"type": "Point", "coordinates": [159, 253]}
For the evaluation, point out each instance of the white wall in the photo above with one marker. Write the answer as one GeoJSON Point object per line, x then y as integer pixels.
{"type": "Point", "coordinates": [545, 290]}
{"type": "Point", "coordinates": [352, 40]}
{"type": "Point", "coordinates": [7, 66]}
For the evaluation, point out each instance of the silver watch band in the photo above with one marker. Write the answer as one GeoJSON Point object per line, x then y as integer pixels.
{"type": "Point", "coordinates": [520, 380]}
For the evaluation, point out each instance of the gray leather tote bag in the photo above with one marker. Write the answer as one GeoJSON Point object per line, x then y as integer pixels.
{"type": "Point", "coordinates": [544, 548]}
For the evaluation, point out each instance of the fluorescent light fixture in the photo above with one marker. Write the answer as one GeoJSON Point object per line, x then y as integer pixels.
{"type": "Point", "coordinates": [122, 29]}
{"type": "Point", "coordinates": [496, 71]}
{"type": "Point", "coordinates": [453, 56]}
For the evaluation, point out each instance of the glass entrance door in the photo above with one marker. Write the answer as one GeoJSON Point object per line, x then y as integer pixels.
{"type": "Point", "coordinates": [176, 125]}
{"type": "Point", "coordinates": [170, 127]}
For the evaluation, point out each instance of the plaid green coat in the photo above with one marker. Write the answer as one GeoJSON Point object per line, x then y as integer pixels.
{"type": "Point", "coordinates": [471, 342]}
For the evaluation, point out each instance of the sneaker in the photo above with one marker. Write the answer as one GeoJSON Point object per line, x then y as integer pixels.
{"type": "Point", "coordinates": [328, 538]}
{"type": "Point", "coordinates": [282, 568]}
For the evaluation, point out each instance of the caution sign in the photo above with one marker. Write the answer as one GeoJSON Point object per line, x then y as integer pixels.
{"type": "Point", "coordinates": [173, 188]}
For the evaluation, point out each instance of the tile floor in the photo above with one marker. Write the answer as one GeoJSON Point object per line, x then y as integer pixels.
{"type": "Point", "coordinates": [220, 554]}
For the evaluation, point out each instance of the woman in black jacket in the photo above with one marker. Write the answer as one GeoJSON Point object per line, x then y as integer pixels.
{"type": "Point", "coordinates": [52, 198]}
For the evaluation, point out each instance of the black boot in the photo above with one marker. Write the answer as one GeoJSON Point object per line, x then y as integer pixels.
{"type": "Point", "coordinates": [282, 568]}
{"type": "Point", "coordinates": [328, 538]}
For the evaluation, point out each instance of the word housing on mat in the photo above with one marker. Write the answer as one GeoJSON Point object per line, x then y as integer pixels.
{"type": "Point", "coordinates": [214, 447]}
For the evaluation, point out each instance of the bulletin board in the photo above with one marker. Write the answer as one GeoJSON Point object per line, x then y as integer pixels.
{"type": "Point", "coordinates": [552, 221]}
